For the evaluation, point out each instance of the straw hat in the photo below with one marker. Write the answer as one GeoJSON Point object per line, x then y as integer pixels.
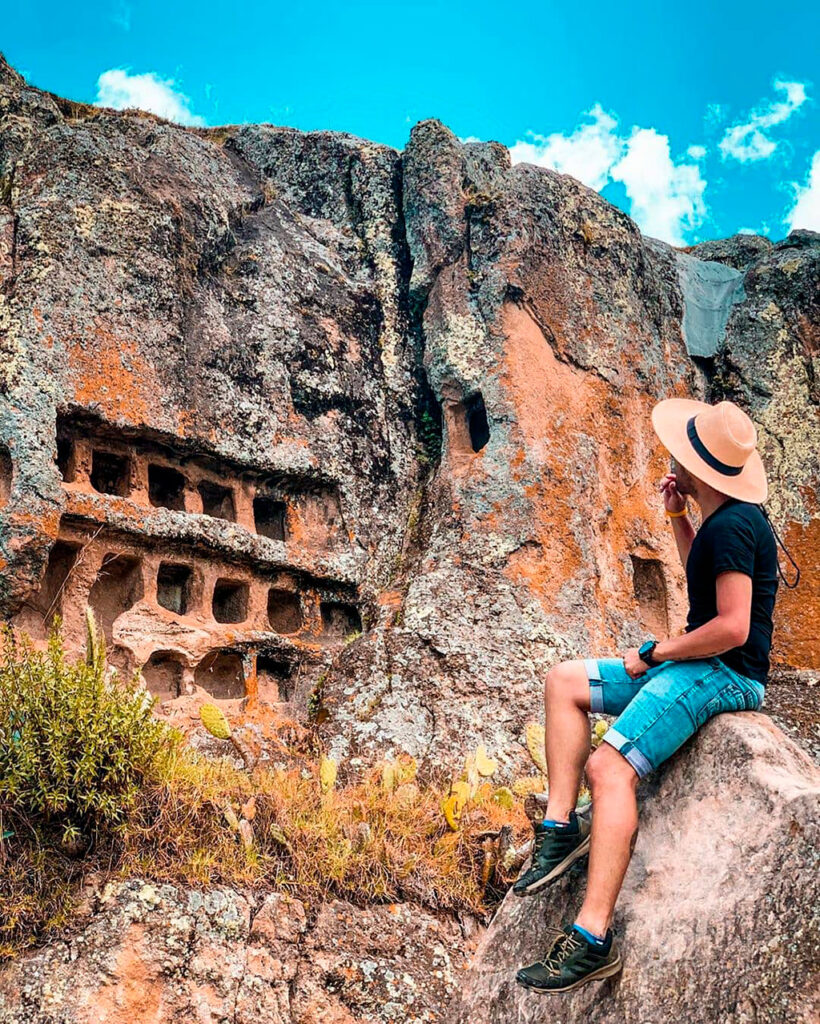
{"type": "Point", "coordinates": [714, 442]}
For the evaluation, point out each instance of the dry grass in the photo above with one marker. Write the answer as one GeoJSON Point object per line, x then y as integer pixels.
{"type": "Point", "coordinates": [363, 840]}
{"type": "Point", "coordinates": [359, 841]}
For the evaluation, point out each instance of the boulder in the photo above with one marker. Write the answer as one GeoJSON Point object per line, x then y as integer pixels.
{"type": "Point", "coordinates": [719, 915]}
{"type": "Point", "coordinates": [149, 954]}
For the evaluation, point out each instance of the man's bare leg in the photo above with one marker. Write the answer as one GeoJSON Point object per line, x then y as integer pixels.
{"type": "Point", "coordinates": [567, 738]}
{"type": "Point", "coordinates": [613, 782]}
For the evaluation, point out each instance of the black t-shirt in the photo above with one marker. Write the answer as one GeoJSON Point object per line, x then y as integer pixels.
{"type": "Point", "coordinates": [735, 537]}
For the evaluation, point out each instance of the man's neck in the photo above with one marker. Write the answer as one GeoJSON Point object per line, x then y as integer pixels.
{"type": "Point", "coordinates": [710, 501]}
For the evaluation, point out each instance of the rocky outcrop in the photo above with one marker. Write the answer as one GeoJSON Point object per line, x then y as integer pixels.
{"type": "Point", "coordinates": [719, 917]}
{"type": "Point", "coordinates": [719, 921]}
{"type": "Point", "coordinates": [364, 436]}
{"type": "Point", "coordinates": [155, 953]}
{"type": "Point", "coordinates": [310, 421]}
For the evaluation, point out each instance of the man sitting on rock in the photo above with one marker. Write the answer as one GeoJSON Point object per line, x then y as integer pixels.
{"type": "Point", "coordinates": [662, 692]}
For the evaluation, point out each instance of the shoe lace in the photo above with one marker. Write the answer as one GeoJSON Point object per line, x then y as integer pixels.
{"type": "Point", "coordinates": [563, 944]}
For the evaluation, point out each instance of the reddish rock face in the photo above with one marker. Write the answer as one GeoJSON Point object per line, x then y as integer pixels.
{"type": "Point", "coordinates": [286, 408]}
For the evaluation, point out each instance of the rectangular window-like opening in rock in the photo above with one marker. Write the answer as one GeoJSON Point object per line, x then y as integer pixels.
{"type": "Point", "coordinates": [340, 619]}
{"type": "Point", "coordinates": [284, 610]}
{"type": "Point", "coordinates": [49, 599]}
{"type": "Point", "coordinates": [650, 593]}
{"type": "Point", "coordinates": [110, 473]}
{"type": "Point", "coordinates": [230, 603]}
{"type": "Point", "coordinates": [273, 678]}
{"type": "Point", "coordinates": [163, 675]}
{"type": "Point", "coordinates": [166, 488]}
{"type": "Point", "coordinates": [65, 459]}
{"type": "Point", "coordinates": [174, 587]}
{"type": "Point", "coordinates": [477, 423]}
{"type": "Point", "coordinates": [221, 674]}
{"type": "Point", "coordinates": [217, 501]}
{"type": "Point", "coordinates": [6, 475]}
{"type": "Point", "coordinates": [117, 588]}
{"type": "Point", "coordinates": [270, 516]}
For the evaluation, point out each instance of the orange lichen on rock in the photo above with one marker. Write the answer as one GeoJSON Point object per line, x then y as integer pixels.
{"type": "Point", "coordinates": [586, 448]}
{"type": "Point", "coordinates": [797, 612]}
{"type": "Point", "coordinates": [111, 373]}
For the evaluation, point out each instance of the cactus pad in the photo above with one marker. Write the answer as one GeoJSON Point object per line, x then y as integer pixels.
{"type": "Point", "coordinates": [534, 733]}
{"type": "Point", "coordinates": [389, 780]}
{"type": "Point", "coordinates": [214, 721]}
{"type": "Point", "coordinates": [328, 770]}
{"type": "Point", "coordinates": [246, 833]}
{"type": "Point", "coordinates": [485, 766]}
{"type": "Point", "coordinates": [277, 834]}
{"type": "Point", "coordinates": [532, 784]}
{"type": "Point", "coordinates": [504, 797]}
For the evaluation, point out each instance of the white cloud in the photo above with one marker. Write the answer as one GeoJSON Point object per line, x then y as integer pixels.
{"type": "Point", "coordinates": [749, 140]}
{"type": "Point", "coordinates": [118, 89]}
{"type": "Point", "coordinates": [666, 198]}
{"type": "Point", "coordinates": [587, 154]}
{"type": "Point", "coordinates": [806, 210]}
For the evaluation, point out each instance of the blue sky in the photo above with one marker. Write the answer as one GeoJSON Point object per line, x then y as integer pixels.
{"type": "Point", "coordinates": [699, 119]}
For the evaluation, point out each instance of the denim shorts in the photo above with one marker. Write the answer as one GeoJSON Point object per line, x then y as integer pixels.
{"type": "Point", "coordinates": [660, 710]}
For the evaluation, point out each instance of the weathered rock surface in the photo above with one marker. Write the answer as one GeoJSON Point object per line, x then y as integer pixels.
{"type": "Point", "coordinates": [150, 954]}
{"type": "Point", "coordinates": [719, 917]}
{"type": "Point", "coordinates": [262, 389]}
{"type": "Point", "coordinates": [719, 921]}
{"type": "Point", "coordinates": [310, 421]}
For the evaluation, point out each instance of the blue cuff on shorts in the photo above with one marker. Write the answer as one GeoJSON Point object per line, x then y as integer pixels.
{"type": "Point", "coordinates": [596, 685]}
{"type": "Point", "coordinates": [641, 764]}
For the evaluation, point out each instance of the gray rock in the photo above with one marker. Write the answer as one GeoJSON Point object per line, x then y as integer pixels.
{"type": "Point", "coordinates": [719, 916]}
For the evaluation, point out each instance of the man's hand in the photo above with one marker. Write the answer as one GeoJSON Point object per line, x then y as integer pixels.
{"type": "Point", "coordinates": [633, 663]}
{"type": "Point", "coordinates": [673, 501]}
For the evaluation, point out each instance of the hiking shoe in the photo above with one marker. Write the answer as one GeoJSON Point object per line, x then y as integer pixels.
{"type": "Point", "coordinates": [554, 850]}
{"type": "Point", "coordinates": [571, 961]}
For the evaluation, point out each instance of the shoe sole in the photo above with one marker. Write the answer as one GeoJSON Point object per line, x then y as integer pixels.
{"type": "Point", "coordinates": [558, 870]}
{"type": "Point", "coordinates": [603, 972]}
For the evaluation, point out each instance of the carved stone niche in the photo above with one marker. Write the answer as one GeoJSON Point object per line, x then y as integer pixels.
{"type": "Point", "coordinates": [650, 590]}
{"type": "Point", "coordinates": [222, 674]}
{"type": "Point", "coordinates": [6, 475]}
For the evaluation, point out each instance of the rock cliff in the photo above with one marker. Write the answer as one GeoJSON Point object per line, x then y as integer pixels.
{"type": "Point", "coordinates": [363, 435]}
{"type": "Point", "coordinates": [263, 391]}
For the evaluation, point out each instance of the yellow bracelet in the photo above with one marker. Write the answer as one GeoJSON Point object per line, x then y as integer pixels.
{"type": "Point", "coordinates": [677, 515]}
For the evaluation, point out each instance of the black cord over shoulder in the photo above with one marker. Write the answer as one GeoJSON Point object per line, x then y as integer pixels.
{"type": "Point", "coordinates": [780, 572]}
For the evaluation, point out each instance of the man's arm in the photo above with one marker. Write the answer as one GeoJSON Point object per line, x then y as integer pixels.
{"type": "Point", "coordinates": [728, 629]}
{"type": "Point", "coordinates": [681, 525]}
{"type": "Point", "coordinates": [684, 535]}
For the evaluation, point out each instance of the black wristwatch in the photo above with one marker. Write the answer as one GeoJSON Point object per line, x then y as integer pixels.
{"type": "Point", "coordinates": [646, 652]}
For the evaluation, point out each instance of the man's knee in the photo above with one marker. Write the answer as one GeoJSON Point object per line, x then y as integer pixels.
{"type": "Point", "coordinates": [567, 680]}
{"type": "Point", "coordinates": [608, 767]}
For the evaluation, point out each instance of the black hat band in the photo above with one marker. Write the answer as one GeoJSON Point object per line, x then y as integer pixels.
{"type": "Point", "coordinates": [706, 455]}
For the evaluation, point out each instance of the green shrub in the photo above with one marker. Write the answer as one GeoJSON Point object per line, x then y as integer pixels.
{"type": "Point", "coordinates": [74, 746]}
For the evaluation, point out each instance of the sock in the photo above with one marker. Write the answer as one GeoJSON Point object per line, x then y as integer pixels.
{"type": "Point", "coordinates": [596, 940]}
{"type": "Point", "coordinates": [552, 823]}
